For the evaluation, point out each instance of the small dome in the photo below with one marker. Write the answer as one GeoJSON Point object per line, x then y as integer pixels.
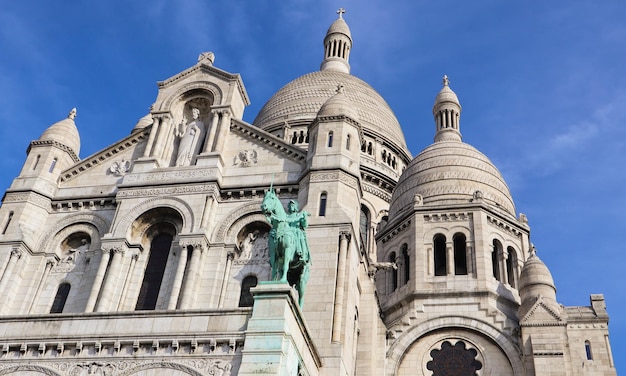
{"type": "Point", "coordinates": [338, 105]}
{"type": "Point", "coordinates": [64, 132]}
{"type": "Point", "coordinates": [451, 172]}
{"type": "Point", "coordinates": [339, 26]}
{"type": "Point", "coordinates": [446, 95]}
{"type": "Point", "coordinates": [535, 272]}
{"type": "Point", "coordinates": [143, 122]}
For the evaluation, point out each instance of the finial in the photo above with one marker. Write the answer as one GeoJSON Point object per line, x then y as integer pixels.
{"type": "Point", "coordinates": [533, 250]}
{"type": "Point", "coordinates": [72, 114]}
{"type": "Point", "coordinates": [340, 12]}
{"type": "Point", "coordinates": [339, 88]}
{"type": "Point", "coordinates": [207, 57]}
{"type": "Point", "coordinates": [446, 81]}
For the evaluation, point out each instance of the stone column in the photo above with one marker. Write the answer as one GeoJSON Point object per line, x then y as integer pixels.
{"type": "Point", "coordinates": [97, 283]}
{"type": "Point", "coordinates": [49, 265]}
{"type": "Point", "coordinates": [151, 137]}
{"type": "Point", "coordinates": [210, 134]}
{"type": "Point", "coordinates": [470, 259]}
{"type": "Point", "coordinates": [344, 239]}
{"type": "Point", "coordinates": [450, 258]}
{"type": "Point", "coordinates": [230, 256]}
{"type": "Point", "coordinates": [190, 279]}
{"type": "Point", "coordinates": [224, 129]}
{"type": "Point", "coordinates": [208, 209]}
{"type": "Point", "coordinates": [111, 280]}
{"type": "Point", "coordinates": [7, 276]}
{"type": "Point", "coordinates": [164, 130]}
{"type": "Point", "coordinates": [129, 276]}
{"type": "Point", "coordinates": [504, 274]}
{"type": "Point", "coordinates": [178, 278]}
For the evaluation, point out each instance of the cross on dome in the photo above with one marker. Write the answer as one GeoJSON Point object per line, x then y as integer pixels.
{"type": "Point", "coordinates": [340, 12]}
{"type": "Point", "coordinates": [446, 80]}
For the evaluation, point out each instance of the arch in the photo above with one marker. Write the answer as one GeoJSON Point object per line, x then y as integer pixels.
{"type": "Point", "coordinates": [588, 352]}
{"type": "Point", "coordinates": [330, 139]}
{"type": "Point", "coordinates": [496, 256]}
{"type": "Point", "coordinates": [122, 228]}
{"type": "Point", "coordinates": [439, 255]}
{"type": "Point", "coordinates": [323, 202]}
{"type": "Point", "coordinates": [401, 345]}
{"type": "Point", "coordinates": [79, 222]}
{"type": "Point", "coordinates": [28, 368]}
{"type": "Point", "coordinates": [406, 262]}
{"type": "Point", "coordinates": [511, 266]}
{"type": "Point", "coordinates": [364, 225]}
{"type": "Point", "coordinates": [162, 364]}
{"type": "Point", "coordinates": [460, 253]}
{"type": "Point", "coordinates": [253, 219]}
{"type": "Point", "coordinates": [226, 227]}
{"type": "Point", "coordinates": [393, 275]}
{"type": "Point", "coordinates": [207, 86]}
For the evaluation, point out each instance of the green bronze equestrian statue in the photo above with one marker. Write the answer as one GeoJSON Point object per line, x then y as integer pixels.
{"type": "Point", "coordinates": [287, 243]}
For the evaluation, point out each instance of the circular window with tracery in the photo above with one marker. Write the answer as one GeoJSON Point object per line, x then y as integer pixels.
{"type": "Point", "coordinates": [455, 360]}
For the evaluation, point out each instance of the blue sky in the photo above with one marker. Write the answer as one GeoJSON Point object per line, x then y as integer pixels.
{"type": "Point", "coordinates": [542, 87]}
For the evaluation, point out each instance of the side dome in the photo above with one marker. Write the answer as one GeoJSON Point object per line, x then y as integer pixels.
{"type": "Point", "coordinates": [143, 122]}
{"type": "Point", "coordinates": [451, 172]}
{"type": "Point", "coordinates": [302, 98]}
{"type": "Point", "coordinates": [338, 105]}
{"type": "Point", "coordinates": [64, 132]}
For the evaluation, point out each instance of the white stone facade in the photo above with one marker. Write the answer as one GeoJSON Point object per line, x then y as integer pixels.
{"type": "Point", "coordinates": [142, 258]}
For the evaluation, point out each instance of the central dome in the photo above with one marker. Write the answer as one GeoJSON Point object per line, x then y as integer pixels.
{"type": "Point", "coordinates": [302, 98]}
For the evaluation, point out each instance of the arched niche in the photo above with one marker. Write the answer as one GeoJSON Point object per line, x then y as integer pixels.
{"type": "Point", "coordinates": [178, 208]}
{"type": "Point", "coordinates": [159, 220]}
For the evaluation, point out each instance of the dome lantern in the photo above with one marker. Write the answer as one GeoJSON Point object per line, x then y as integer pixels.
{"type": "Point", "coordinates": [447, 113]}
{"type": "Point", "coordinates": [337, 46]}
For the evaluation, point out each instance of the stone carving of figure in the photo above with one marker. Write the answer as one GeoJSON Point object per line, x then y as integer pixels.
{"type": "Point", "coordinates": [76, 254]}
{"type": "Point", "coordinates": [247, 244]}
{"type": "Point", "coordinates": [190, 138]}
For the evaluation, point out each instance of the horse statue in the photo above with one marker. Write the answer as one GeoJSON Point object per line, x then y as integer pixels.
{"type": "Point", "coordinates": [288, 248]}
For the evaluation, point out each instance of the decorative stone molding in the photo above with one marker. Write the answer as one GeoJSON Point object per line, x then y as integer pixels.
{"type": "Point", "coordinates": [83, 205]}
{"type": "Point", "coordinates": [251, 208]}
{"type": "Point", "coordinates": [182, 207]}
{"type": "Point", "coordinates": [396, 230]}
{"type": "Point", "coordinates": [101, 224]}
{"type": "Point", "coordinates": [501, 225]}
{"type": "Point", "coordinates": [245, 158]}
{"type": "Point", "coordinates": [259, 135]}
{"type": "Point", "coordinates": [173, 175]}
{"type": "Point", "coordinates": [119, 168]}
{"type": "Point", "coordinates": [168, 191]}
{"type": "Point", "coordinates": [57, 144]}
{"type": "Point", "coordinates": [447, 217]}
{"type": "Point", "coordinates": [32, 197]}
{"type": "Point", "coordinates": [105, 155]}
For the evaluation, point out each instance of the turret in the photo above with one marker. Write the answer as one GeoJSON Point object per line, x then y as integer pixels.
{"type": "Point", "coordinates": [447, 113]}
{"type": "Point", "coordinates": [337, 46]}
{"type": "Point", "coordinates": [536, 282]}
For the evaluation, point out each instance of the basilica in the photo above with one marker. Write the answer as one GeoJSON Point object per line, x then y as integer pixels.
{"type": "Point", "coordinates": [153, 255]}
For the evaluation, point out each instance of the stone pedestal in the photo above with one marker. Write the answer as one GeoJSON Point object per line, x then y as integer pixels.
{"type": "Point", "coordinates": [277, 340]}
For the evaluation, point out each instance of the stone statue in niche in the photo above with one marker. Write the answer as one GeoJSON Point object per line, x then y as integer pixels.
{"type": "Point", "coordinates": [190, 138]}
{"type": "Point", "coordinates": [75, 256]}
{"type": "Point", "coordinates": [248, 243]}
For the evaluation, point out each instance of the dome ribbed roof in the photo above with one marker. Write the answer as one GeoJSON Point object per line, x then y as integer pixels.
{"type": "Point", "coordinates": [339, 26]}
{"type": "Point", "coordinates": [143, 122]}
{"type": "Point", "coordinates": [303, 97]}
{"type": "Point", "coordinates": [535, 272]}
{"type": "Point", "coordinates": [450, 172]}
{"type": "Point", "coordinates": [64, 132]}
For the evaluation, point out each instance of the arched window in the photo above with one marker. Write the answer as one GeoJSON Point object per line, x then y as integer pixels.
{"type": "Point", "coordinates": [460, 254]}
{"type": "Point", "coordinates": [496, 251]}
{"type": "Point", "coordinates": [330, 139]}
{"type": "Point", "coordinates": [439, 243]}
{"type": "Point", "coordinates": [153, 275]}
{"type": "Point", "coordinates": [294, 138]}
{"type": "Point", "coordinates": [323, 197]}
{"type": "Point", "coordinates": [370, 150]}
{"type": "Point", "coordinates": [393, 283]}
{"type": "Point", "coordinates": [60, 298]}
{"type": "Point", "coordinates": [588, 350]}
{"type": "Point", "coordinates": [406, 263]}
{"type": "Point", "coordinates": [364, 146]}
{"type": "Point", "coordinates": [511, 267]}
{"type": "Point", "coordinates": [301, 137]}
{"type": "Point", "coordinates": [245, 298]}
{"type": "Point", "coordinates": [364, 225]}
{"type": "Point", "coordinates": [348, 142]}
{"type": "Point", "coordinates": [54, 163]}
{"type": "Point", "coordinates": [6, 225]}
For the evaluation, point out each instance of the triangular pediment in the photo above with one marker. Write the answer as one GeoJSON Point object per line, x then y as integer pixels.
{"type": "Point", "coordinates": [542, 313]}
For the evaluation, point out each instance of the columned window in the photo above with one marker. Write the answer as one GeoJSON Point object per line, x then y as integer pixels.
{"type": "Point", "coordinates": [155, 268]}
{"type": "Point", "coordinates": [496, 253]}
{"type": "Point", "coordinates": [439, 243]}
{"type": "Point", "coordinates": [460, 254]}
{"type": "Point", "coordinates": [60, 298]}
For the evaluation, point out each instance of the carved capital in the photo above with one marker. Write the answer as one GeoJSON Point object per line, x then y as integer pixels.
{"type": "Point", "coordinates": [16, 253]}
{"type": "Point", "coordinates": [345, 235]}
